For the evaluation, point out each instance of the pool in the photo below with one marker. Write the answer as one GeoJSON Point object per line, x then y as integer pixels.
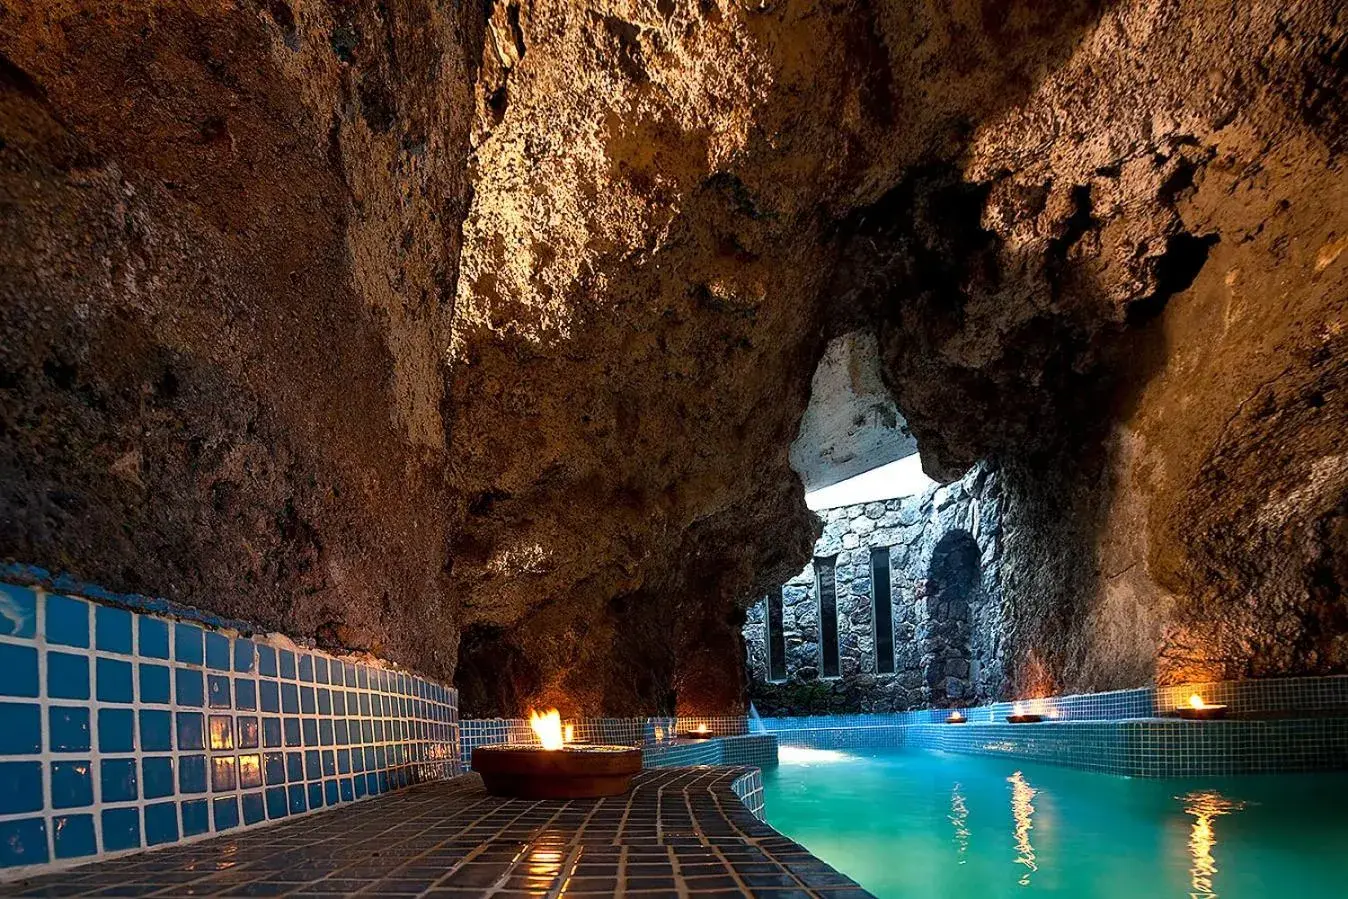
{"type": "Point", "coordinates": [926, 825]}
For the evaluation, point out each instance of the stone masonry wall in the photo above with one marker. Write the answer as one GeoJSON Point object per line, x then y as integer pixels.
{"type": "Point", "coordinates": [945, 588]}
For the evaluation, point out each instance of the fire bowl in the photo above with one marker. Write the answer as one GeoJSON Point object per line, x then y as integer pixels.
{"type": "Point", "coordinates": [527, 771]}
{"type": "Point", "coordinates": [1024, 719]}
{"type": "Point", "coordinates": [1202, 713]}
{"type": "Point", "coordinates": [695, 735]}
{"type": "Point", "coordinates": [957, 719]}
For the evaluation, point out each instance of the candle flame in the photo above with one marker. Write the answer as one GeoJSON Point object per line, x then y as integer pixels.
{"type": "Point", "coordinates": [1197, 701]}
{"type": "Point", "coordinates": [548, 727]}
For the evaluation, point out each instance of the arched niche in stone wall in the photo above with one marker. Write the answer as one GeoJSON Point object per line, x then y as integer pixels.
{"type": "Point", "coordinates": [953, 584]}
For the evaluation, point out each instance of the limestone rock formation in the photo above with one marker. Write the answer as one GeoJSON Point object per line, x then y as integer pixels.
{"type": "Point", "coordinates": [477, 335]}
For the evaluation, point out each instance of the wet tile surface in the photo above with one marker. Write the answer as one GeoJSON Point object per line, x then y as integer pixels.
{"type": "Point", "coordinates": [680, 832]}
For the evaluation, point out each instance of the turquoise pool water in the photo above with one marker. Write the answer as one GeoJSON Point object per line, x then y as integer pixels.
{"type": "Point", "coordinates": [926, 825]}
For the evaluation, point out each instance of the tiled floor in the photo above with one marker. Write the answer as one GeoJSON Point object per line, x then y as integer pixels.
{"type": "Point", "coordinates": [680, 832]}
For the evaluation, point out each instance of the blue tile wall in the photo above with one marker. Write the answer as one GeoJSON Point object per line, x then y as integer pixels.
{"type": "Point", "coordinates": [121, 729]}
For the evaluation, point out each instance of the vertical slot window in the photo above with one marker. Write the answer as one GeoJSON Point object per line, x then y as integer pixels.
{"type": "Point", "coordinates": [884, 611]}
{"type": "Point", "coordinates": [776, 638]}
{"type": "Point", "coordinates": [828, 616]}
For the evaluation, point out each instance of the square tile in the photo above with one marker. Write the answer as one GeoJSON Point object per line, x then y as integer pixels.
{"type": "Point", "coordinates": [250, 771]}
{"type": "Point", "coordinates": [271, 732]}
{"type": "Point", "coordinates": [23, 842]}
{"type": "Point", "coordinates": [156, 730]}
{"type": "Point", "coordinates": [307, 668]}
{"type": "Point", "coordinates": [114, 680]}
{"type": "Point", "coordinates": [161, 823]}
{"type": "Point", "coordinates": [244, 656]}
{"type": "Point", "coordinates": [68, 729]}
{"type": "Point", "coordinates": [74, 836]}
{"type": "Point", "coordinates": [221, 731]}
{"type": "Point", "coordinates": [224, 774]}
{"type": "Point", "coordinates": [67, 675]}
{"type": "Point", "coordinates": [112, 630]}
{"type": "Point", "coordinates": [121, 829]}
{"type": "Point", "coordinates": [188, 644]}
{"type": "Point", "coordinates": [266, 660]}
{"type": "Point", "coordinates": [188, 688]}
{"type": "Point", "coordinates": [217, 691]}
{"type": "Point", "coordinates": [290, 699]}
{"type": "Point", "coordinates": [287, 664]}
{"type": "Point", "coordinates": [157, 776]}
{"type": "Point", "coordinates": [276, 803]}
{"type": "Point", "coordinates": [154, 684]}
{"type": "Point", "coordinates": [195, 817]}
{"type": "Point", "coordinates": [20, 787]}
{"type": "Point", "coordinates": [72, 784]}
{"type": "Point", "coordinates": [269, 695]}
{"type": "Point", "coordinates": [254, 809]}
{"type": "Point", "coordinates": [192, 774]}
{"type": "Point", "coordinates": [118, 780]}
{"type": "Point", "coordinates": [250, 735]}
{"type": "Point", "coordinates": [67, 621]}
{"type": "Point", "coordinates": [191, 730]}
{"type": "Point", "coordinates": [226, 813]}
{"type": "Point", "coordinates": [19, 664]}
{"type": "Point", "coordinates": [245, 694]}
{"type": "Point", "coordinates": [18, 611]}
{"type": "Point", "coordinates": [217, 651]}
{"type": "Point", "coordinates": [116, 730]}
{"type": "Point", "coordinates": [154, 637]}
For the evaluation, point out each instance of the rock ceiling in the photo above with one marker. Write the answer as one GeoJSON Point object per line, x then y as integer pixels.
{"type": "Point", "coordinates": [478, 337]}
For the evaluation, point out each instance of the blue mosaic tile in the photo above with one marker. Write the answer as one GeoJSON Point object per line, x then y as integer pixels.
{"type": "Point", "coordinates": [187, 644]}
{"type": "Point", "coordinates": [321, 670]}
{"type": "Point", "coordinates": [19, 664]}
{"type": "Point", "coordinates": [217, 651]}
{"type": "Point", "coordinates": [112, 630]}
{"type": "Point", "coordinates": [254, 811]}
{"type": "Point", "coordinates": [154, 684]}
{"type": "Point", "coordinates": [161, 823]}
{"type": "Point", "coordinates": [67, 621]}
{"type": "Point", "coordinates": [192, 774]}
{"type": "Point", "coordinates": [191, 730]}
{"type": "Point", "coordinates": [116, 730]}
{"type": "Point", "coordinates": [244, 655]}
{"type": "Point", "coordinates": [271, 732]}
{"type": "Point", "coordinates": [156, 730]}
{"type": "Point", "coordinates": [157, 776]}
{"type": "Point", "coordinates": [154, 637]}
{"type": "Point", "coordinates": [226, 813]}
{"type": "Point", "coordinates": [118, 781]}
{"type": "Point", "coordinates": [74, 836]}
{"type": "Point", "coordinates": [121, 829]}
{"type": "Point", "coordinates": [276, 802]}
{"type": "Point", "coordinates": [67, 675]}
{"type": "Point", "coordinates": [188, 687]}
{"type": "Point", "coordinates": [18, 611]}
{"type": "Point", "coordinates": [217, 691]}
{"type": "Point", "coordinates": [269, 696]}
{"type": "Point", "coordinates": [287, 664]}
{"type": "Point", "coordinates": [23, 842]}
{"type": "Point", "coordinates": [114, 678]}
{"type": "Point", "coordinates": [307, 668]}
{"type": "Point", "coordinates": [196, 817]}
{"type": "Point", "coordinates": [72, 784]}
{"type": "Point", "coordinates": [68, 729]}
{"type": "Point", "coordinates": [20, 787]}
{"type": "Point", "coordinates": [266, 660]}
{"type": "Point", "coordinates": [245, 694]}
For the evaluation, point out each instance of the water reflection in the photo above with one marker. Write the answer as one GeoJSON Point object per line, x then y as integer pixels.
{"type": "Point", "coordinates": [1205, 805]}
{"type": "Point", "coordinates": [959, 817]}
{"type": "Point", "coordinates": [1022, 810]}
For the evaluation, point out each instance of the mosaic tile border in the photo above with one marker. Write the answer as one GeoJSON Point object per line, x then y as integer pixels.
{"type": "Point", "coordinates": [122, 730]}
{"type": "Point", "coordinates": [679, 832]}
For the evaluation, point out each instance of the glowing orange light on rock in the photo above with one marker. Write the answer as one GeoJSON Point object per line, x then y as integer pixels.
{"type": "Point", "coordinates": [548, 728]}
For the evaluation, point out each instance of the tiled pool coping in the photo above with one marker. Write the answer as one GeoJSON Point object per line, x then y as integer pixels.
{"type": "Point", "coordinates": [680, 832]}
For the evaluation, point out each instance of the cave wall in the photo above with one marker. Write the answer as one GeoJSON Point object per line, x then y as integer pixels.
{"type": "Point", "coordinates": [947, 606]}
{"type": "Point", "coordinates": [402, 326]}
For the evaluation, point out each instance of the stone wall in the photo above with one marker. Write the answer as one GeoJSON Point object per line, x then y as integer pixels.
{"type": "Point", "coordinates": [945, 588]}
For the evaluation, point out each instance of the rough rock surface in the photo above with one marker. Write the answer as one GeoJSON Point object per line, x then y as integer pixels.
{"type": "Point", "coordinates": [478, 335]}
